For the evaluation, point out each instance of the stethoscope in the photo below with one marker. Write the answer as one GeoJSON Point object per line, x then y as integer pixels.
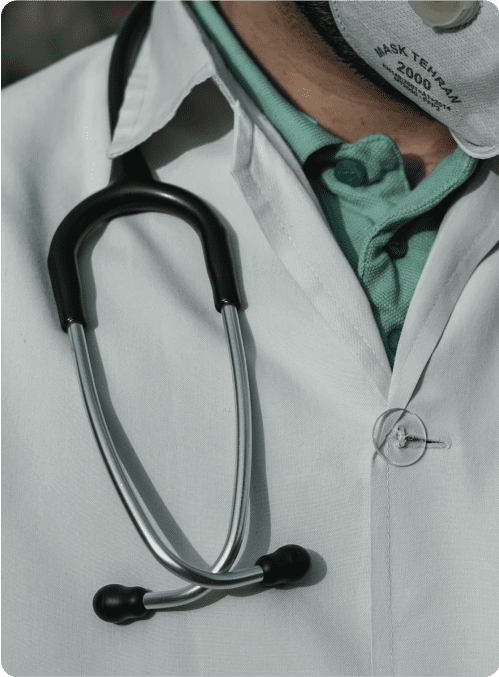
{"type": "Point", "coordinates": [132, 189]}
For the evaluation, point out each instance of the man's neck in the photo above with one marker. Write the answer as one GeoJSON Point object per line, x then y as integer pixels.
{"type": "Point", "coordinates": [309, 72]}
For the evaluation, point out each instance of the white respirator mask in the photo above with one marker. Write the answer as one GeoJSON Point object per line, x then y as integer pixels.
{"type": "Point", "coordinates": [442, 55]}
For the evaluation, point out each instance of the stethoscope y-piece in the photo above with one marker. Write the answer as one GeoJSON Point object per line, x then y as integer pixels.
{"type": "Point", "coordinates": [132, 190]}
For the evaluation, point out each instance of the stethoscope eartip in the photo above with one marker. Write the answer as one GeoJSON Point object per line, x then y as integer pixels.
{"type": "Point", "coordinates": [117, 603]}
{"type": "Point", "coordinates": [286, 565]}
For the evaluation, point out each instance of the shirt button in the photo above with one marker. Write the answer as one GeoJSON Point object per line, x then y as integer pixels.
{"type": "Point", "coordinates": [397, 249]}
{"type": "Point", "coordinates": [350, 171]}
{"type": "Point", "coordinates": [400, 437]}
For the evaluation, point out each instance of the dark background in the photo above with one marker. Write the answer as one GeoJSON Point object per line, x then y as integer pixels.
{"type": "Point", "coordinates": [37, 33]}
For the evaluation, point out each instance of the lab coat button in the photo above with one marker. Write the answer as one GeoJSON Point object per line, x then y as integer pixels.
{"type": "Point", "coordinates": [400, 437]}
{"type": "Point", "coordinates": [350, 171]}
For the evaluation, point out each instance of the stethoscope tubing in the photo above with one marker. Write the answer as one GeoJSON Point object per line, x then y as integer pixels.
{"type": "Point", "coordinates": [216, 578]}
{"type": "Point", "coordinates": [239, 511]}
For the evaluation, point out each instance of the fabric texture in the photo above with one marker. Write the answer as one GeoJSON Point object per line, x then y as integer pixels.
{"type": "Point", "coordinates": [405, 576]}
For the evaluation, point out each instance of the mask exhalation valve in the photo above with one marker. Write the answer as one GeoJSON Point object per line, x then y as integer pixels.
{"type": "Point", "coordinates": [444, 15]}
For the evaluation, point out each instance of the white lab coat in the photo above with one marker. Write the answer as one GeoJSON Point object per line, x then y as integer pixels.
{"type": "Point", "coordinates": [405, 577]}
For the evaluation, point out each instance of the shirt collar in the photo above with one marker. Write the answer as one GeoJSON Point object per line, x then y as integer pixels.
{"type": "Point", "coordinates": [154, 93]}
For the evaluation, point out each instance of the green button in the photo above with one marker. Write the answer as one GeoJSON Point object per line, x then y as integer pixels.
{"type": "Point", "coordinates": [397, 249]}
{"type": "Point", "coordinates": [350, 171]}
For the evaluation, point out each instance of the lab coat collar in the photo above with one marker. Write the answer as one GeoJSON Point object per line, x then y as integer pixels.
{"type": "Point", "coordinates": [154, 91]}
{"type": "Point", "coordinates": [468, 232]}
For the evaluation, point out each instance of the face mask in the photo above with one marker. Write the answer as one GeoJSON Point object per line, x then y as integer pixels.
{"type": "Point", "coordinates": [451, 71]}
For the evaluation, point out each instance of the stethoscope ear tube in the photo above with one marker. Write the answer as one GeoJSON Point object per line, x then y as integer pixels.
{"type": "Point", "coordinates": [124, 198]}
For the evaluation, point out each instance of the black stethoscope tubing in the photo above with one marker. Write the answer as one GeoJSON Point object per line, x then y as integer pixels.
{"type": "Point", "coordinates": [132, 189]}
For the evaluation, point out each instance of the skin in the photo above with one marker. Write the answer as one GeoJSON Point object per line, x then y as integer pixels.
{"type": "Point", "coordinates": [340, 92]}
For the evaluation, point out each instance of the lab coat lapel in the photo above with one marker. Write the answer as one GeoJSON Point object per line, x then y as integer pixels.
{"type": "Point", "coordinates": [467, 233]}
{"type": "Point", "coordinates": [292, 220]}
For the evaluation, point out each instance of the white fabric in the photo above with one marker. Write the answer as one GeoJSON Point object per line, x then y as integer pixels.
{"type": "Point", "coordinates": [454, 76]}
{"type": "Point", "coordinates": [405, 577]}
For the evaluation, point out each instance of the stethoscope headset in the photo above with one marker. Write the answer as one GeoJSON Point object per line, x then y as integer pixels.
{"type": "Point", "coordinates": [131, 190]}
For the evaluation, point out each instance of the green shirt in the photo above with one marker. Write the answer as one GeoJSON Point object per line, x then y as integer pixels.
{"type": "Point", "coordinates": [384, 228]}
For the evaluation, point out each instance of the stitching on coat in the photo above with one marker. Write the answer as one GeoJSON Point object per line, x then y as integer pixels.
{"type": "Point", "coordinates": [389, 567]}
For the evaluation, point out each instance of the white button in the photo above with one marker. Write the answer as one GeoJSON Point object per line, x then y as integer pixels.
{"type": "Point", "coordinates": [400, 437]}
